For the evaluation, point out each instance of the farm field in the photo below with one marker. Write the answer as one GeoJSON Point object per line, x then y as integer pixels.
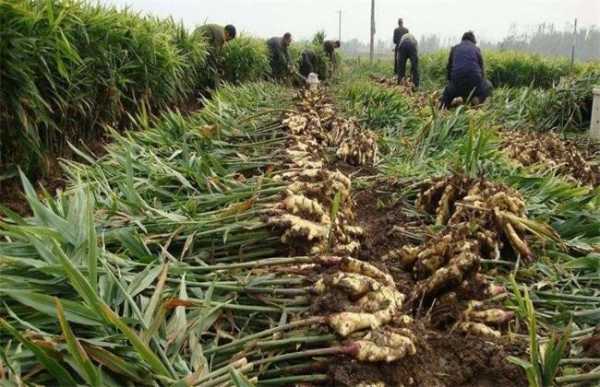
{"type": "Point", "coordinates": [353, 235]}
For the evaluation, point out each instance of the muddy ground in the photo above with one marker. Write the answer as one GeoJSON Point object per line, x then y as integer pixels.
{"type": "Point", "coordinates": [444, 357]}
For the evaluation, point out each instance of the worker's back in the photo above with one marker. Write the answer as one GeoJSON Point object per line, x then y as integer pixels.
{"type": "Point", "coordinates": [308, 62]}
{"type": "Point", "coordinates": [399, 33]}
{"type": "Point", "coordinates": [466, 60]}
{"type": "Point", "coordinates": [274, 44]}
{"type": "Point", "coordinates": [214, 35]}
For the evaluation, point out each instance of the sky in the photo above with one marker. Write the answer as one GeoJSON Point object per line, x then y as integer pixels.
{"type": "Point", "coordinates": [490, 19]}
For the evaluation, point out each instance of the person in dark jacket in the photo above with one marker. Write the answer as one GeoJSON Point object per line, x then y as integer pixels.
{"type": "Point", "coordinates": [465, 73]}
{"type": "Point", "coordinates": [279, 55]}
{"type": "Point", "coordinates": [407, 50]}
{"type": "Point", "coordinates": [216, 36]}
{"type": "Point", "coordinates": [398, 33]}
{"type": "Point", "coordinates": [308, 62]}
{"type": "Point", "coordinates": [329, 46]}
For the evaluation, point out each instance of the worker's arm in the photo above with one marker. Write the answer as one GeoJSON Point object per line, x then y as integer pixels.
{"type": "Point", "coordinates": [449, 66]}
{"type": "Point", "coordinates": [480, 60]}
{"type": "Point", "coordinates": [397, 36]}
{"type": "Point", "coordinates": [286, 57]}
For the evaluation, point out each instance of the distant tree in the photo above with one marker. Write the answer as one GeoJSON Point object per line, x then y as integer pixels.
{"type": "Point", "coordinates": [545, 39]}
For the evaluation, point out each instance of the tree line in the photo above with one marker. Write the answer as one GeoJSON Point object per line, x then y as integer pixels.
{"type": "Point", "coordinates": [546, 39]}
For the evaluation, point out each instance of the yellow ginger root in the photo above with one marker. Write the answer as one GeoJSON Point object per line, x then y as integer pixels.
{"type": "Point", "coordinates": [488, 316]}
{"type": "Point", "coordinates": [352, 265]}
{"type": "Point", "coordinates": [300, 203]}
{"type": "Point", "coordinates": [347, 249]}
{"type": "Point", "coordinates": [345, 323]}
{"type": "Point", "coordinates": [302, 173]}
{"type": "Point", "coordinates": [451, 275]}
{"type": "Point", "coordinates": [443, 210]}
{"type": "Point", "coordinates": [477, 329]}
{"type": "Point", "coordinates": [352, 283]}
{"type": "Point", "coordinates": [299, 226]}
{"type": "Point", "coordinates": [432, 258]}
{"type": "Point", "coordinates": [371, 384]}
{"type": "Point", "coordinates": [515, 241]}
{"type": "Point", "coordinates": [384, 346]}
{"type": "Point", "coordinates": [355, 231]}
{"type": "Point", "coordinates": [374, 301]}
{"type": "Point", "coordinates": [296, 123]}
{"type": "Point", "coordinates": [406, 255]}
{"type": "Point", "coordinates": [365, 268]}
{"type": "Point", "coordinates": [390, 300]}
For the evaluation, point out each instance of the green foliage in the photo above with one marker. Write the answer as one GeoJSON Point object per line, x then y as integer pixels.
{"type": "Point", "coordinates": [376, 106]}
{"type": "Point", "coordinates": [245, 59]}
{"type": "Point", "coordinates": [87, 291]}
{"type": "Point", "coordinates": [68, 67]}
{"type": "Point", "coordinates": [511, 69]}
{"type": "Point", "coordinates": [322, 65]}
{"type": "Point", "coordinates": [567, 105]}
{"type": "Point", "coordinates": [543, 364]}
{"type": "Point", "coordinates": [478, 147]}
{"type": "Point", "coordinates": [518, 69]}
{"type": "Point", "coordinates": [319, 38]}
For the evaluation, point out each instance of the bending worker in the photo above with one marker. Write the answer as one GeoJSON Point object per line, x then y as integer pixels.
{"type": "Point", "coordinates": [465, 73]}
{"type": "Point", "coordinates": [407, 49]}
{"type": "Point", "coordinates": [329, 47]}
{"type": "Point", "coordinates": [216, 36]}
{"type": "Point", "coordinates": [279, 56]}
{"type": "Point", "coordinates": [308, 62]}
{"type": "Point", "coordinates": [398, 33]}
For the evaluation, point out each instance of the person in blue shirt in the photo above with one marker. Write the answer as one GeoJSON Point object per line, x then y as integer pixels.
{"type": "Point", "coordinates": [466, 74]}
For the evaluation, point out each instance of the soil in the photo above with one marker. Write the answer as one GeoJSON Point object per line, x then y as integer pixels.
{"type": "Point", "coordinates": [442, 359]}
{"type": "Point", "coordinates": [351, 170]}
{"type": "Point", "coordinates": [12, 195]}
{"type": "Point", "coordinates": [378, 212]}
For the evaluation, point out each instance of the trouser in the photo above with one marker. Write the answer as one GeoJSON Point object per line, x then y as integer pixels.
{"type": "Point", "coordinates": [279, 70]}
{"type": "Point", "coordinates": [306, 65]}
{"type": "Point", "coordinates": [214, 70]}
{"type": "Point", "coordinates": [396, 59]}
{"type": "Point", "coordinates": [467, 87]}
{"type": "Point", "coordinates": [408, 51]}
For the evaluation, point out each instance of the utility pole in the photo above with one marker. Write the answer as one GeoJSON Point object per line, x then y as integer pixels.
{"type": "Point", "coordinates": [372, 45]}
{"type": "Point", "coordinates": [574, 42]}
{"type": "Point", "coordinates": [340, 25]}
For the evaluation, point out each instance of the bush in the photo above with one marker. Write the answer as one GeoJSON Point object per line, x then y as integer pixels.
{"type": "Point", "coordinates": [377, 107]}
{"type": "Point", "coordinates": [67, 68]}
{"type": "Point", "coordinates": [245, 59]}
{"type": "Point", "coordinates": [511, 69]}
{"type": "Point", "coordinates": [323, 65]}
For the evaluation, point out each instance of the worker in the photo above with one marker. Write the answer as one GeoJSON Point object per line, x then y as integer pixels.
{"type": "Point", "coordinates": [407, 50]}
{"type": "Point", "coordinates": [308, 62]}
{"type": "Point", "coordinates": [279, 56]}
{"type": "Point", "coordinates": [329, 46]}
{"type": "Point", "coordinates": [465, 73]}
{"type": "Point", "coordinates": [398, 33]}
{"type": "Point", "coordinates": [216, 36]}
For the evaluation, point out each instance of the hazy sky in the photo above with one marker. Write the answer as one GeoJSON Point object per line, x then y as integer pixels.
{"type": "Point", "coordinates": [490, 19]}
